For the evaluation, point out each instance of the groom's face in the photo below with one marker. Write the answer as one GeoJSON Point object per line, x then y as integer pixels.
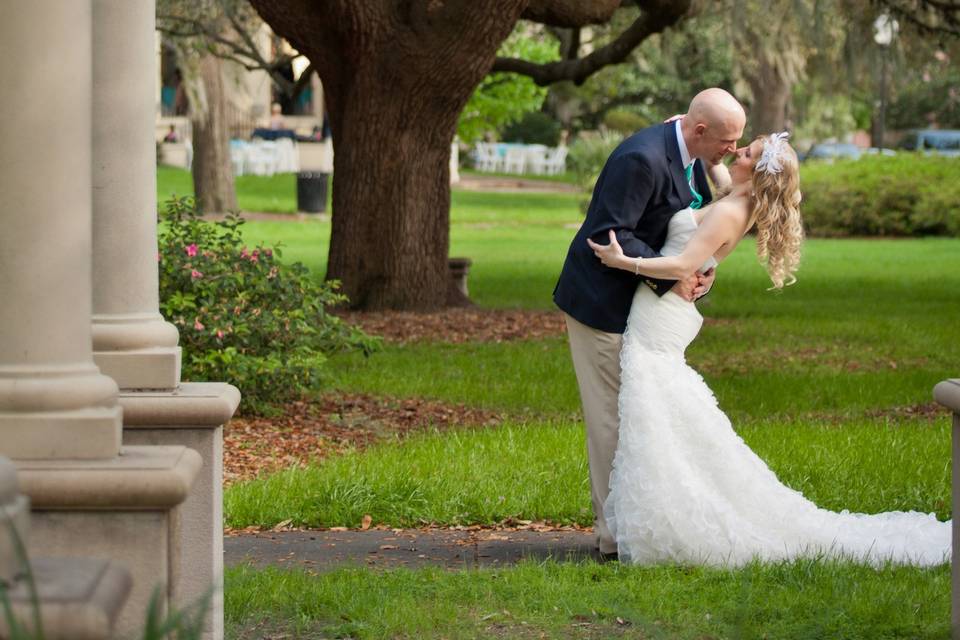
{"type": "Point", "coordinates": [720, 140]}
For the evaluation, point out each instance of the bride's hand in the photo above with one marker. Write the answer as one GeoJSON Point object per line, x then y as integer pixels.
{"type": "Point", "coordinates": [610, 254]}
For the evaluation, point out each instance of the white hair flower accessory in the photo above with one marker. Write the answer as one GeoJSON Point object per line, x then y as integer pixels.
{"type": "Point", "coordinates": [770, 159]}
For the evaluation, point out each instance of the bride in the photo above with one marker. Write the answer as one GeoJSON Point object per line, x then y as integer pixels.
{"type": "Point", "coordinates": [684, 485]}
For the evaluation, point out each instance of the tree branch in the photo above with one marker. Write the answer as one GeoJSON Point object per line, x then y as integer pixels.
{"type": "Point", "coordinates": [570, 13]}
{"type": "Point", "coordinates": [929, 16]}
{"type": "Point", "coordinates": [302, 82]}
{"type": "Point", "coordinates": [653, 20]}
{"type": "Point", "coordinates": [245, 54]}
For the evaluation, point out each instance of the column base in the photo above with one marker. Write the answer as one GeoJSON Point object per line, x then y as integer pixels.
{"type": "Point", "coordinates": [80, 598]}
{"type": "Point", "coordinates": [192, 416]}
{"type": "Point", "coordinates": [126, 509]}
{"type": "Point", "coordinates": [157, 368]}
{"type": "Point", "coordinates": [92, 433]}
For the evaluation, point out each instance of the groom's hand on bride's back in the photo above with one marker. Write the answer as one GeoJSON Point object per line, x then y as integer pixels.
{"type": "Point", "coordinates": [704, 282]}
{"type": "Point", "coordinates": [686, 288]}
{"type": "Point", "coordinates": [695, 286]}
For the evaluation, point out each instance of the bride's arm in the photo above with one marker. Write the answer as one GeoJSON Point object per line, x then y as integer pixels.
{"type": "Point", "coordinates": [716, 230]}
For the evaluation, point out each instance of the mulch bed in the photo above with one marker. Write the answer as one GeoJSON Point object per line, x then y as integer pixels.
{"type": "Point", "coordinates": [929, 411]}
{"type": "Point", "coordinates": [458, 325]}
{"type": "Point", "coordinates": [332, 425]}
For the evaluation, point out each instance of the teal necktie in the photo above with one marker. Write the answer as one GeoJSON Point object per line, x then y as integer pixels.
{"type": "Point", "coordinates": [697, 198]}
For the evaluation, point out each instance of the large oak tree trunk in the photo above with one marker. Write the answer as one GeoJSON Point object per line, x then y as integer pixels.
{"type": "Point", "coordinates": [395, 77]}
{"type": "Point", "coordinates": [391, 198]}
{"type": "Point", "coordinates": [213, 182]}
{"type": "Point", "coordinates": [771, 88]}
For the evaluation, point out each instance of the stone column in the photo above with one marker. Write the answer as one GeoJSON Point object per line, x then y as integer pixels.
{"type": "Point", "coordinates": [54, 402]}
{"type": "Point", "coordinates": [947, 393]}
{"type": "Point", "coordinates": [131, 341]}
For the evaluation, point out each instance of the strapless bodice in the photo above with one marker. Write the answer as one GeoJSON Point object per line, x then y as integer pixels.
{"type": "Point", "coordinates": [680, 229]}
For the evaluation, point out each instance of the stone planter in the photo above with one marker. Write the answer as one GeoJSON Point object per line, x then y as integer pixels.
{"type": "Point", "coordinates": [459, 269]}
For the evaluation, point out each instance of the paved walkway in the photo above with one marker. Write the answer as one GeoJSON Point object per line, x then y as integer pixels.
{"type": "Point", "coordinates": [455, 549]}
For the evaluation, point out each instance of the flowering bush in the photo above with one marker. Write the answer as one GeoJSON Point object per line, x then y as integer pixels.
{"type": "Point", "coordinates": [243, 316]}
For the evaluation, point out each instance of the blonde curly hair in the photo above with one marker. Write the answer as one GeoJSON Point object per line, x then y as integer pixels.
{"type": "Point", "coordinates": [775, 211]}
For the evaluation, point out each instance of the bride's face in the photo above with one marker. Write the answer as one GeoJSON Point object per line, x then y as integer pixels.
{"type": "Point", "coordinates": [741, 170]}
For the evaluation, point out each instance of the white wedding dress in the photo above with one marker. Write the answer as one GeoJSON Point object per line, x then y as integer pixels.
{"type": "Point", "coordinates": [685, 487]}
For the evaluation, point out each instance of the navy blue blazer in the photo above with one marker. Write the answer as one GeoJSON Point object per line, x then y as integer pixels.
{"type": "Point", "coordinates": [641, 186]}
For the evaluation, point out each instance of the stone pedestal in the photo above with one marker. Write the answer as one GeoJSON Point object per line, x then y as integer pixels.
{"type": "Point", "coordinates": [80, 598]}
{"type": "Point", "coordinates": [125, 509]}
{"type": "Point", "coordinates": [947, 393]}
{"type": "Point", "coordinates": [76, 598]}
{"type": "Point", "coordinates": [193, 416]}
{"type": "Point", "coordinates": [132, 343]}
{"type": "Point", "coordinates": [14, 523]}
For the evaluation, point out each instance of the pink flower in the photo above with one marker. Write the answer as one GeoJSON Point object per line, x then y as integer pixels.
{"type": "Point", "coordinates": [191, 250]}
{"type": "Point", "coordinates": [255, 256]}
{"type": "Point", "coordinates": [220, 334]}
{"type": "Point", "coordinates": [197, 324]}
{"type": "Point", "coordinates": [195, 274]}
{"type": "Point", "coordinates": [243, 252]}
{"type": "Point", "coordinates": [268, 252]}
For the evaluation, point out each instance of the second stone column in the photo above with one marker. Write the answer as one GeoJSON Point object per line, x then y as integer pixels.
{"type": "Point", "coordinates": [132, 343]}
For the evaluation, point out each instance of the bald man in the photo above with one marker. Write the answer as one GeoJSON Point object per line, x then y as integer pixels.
{"type": "Point", "coordinates": [650, 176]}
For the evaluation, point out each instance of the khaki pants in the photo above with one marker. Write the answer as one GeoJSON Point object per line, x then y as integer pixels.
{"type": "Point", "coordinates": [596, 361]}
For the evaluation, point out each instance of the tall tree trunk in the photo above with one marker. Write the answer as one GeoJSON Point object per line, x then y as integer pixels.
{"type": "Point", "coordinates": [391, 198]}
{"type": "Point", "coordinates": [395, 77]}
{"type": "Point", "coordinates": [770, 86]}
{"type": "Point", "coordinates": [213, 182]}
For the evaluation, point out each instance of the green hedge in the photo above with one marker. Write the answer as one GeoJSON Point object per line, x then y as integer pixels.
{"type": "Point", "coordinates": [903, 195]}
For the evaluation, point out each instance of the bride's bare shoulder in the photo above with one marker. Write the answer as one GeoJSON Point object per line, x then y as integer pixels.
{"type": "Point", "coordinates": [728, 211]}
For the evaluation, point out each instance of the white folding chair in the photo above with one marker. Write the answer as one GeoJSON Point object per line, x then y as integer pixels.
{"type": "Point", "coordinates": [515, 160]}
{"type": "Point", "coordinates": [556, 161]}
{"type": "Point", "coordinates": [487, 157]}
{"type": "Point", "coordinates": [536, 158]}
{"type": "Point", "coordinates": [237, 156]}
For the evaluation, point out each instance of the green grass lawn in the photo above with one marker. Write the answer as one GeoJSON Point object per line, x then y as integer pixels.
{"type": "Point", "coordinates": [805, 600]}
{"type": "Point", "coordinates": [538, 471]}
{"type": "Point", "coordinates": [871, 326]}
{"type": "Point", "coordinates": [271, 194]}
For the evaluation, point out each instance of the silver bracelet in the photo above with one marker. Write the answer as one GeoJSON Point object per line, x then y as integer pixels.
{"type": "Point", "coordinates": [636, 267]}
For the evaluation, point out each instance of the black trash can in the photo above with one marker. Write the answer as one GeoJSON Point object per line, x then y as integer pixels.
{"type": "Point", "coordinates": [312, 191]}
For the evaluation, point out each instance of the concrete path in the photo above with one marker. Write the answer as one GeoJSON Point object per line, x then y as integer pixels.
{"type": "Point", "coordinates": [454, 549]}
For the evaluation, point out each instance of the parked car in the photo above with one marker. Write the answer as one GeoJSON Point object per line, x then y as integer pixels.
{"type": "Point", "coordinates": [833, 150]}
{"type": "Point", "coordinates": [945, 142]}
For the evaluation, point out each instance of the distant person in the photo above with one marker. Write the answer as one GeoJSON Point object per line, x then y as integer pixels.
{"type": "Point", "coordinates": [276, 118]}
{"type": "Point", "coordinates": [171, 135]}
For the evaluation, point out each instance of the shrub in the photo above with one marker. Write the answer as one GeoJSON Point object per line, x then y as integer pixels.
{"type": "Point", "coordinates": [588, 155]}
{"type": "Point", "coordinates": [243, 316]}
{"type": "Point", "coordinates": [904, 195]}
{"type": "Point", "coordinates": [625, 122]}
{"type": "Point", "coordinates": [535, 127]}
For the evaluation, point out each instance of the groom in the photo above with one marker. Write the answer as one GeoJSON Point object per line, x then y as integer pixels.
{"type": "Point", "coordinates": [650, 176]}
